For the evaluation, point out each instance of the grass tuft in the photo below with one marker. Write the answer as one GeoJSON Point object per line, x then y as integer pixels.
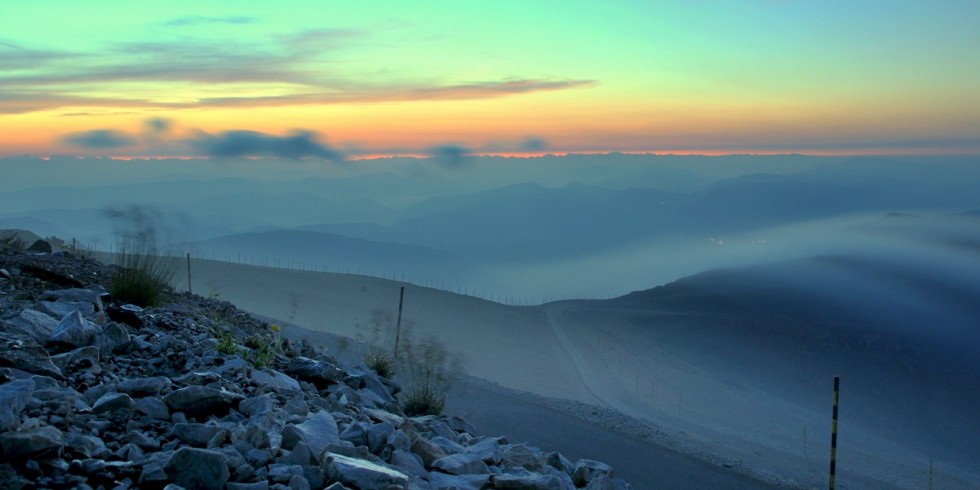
{"type": "Point", "coordinates": [143, 278]}
{"type": "Point", "coordinates": [424, 398]}
{"type": "Point", "coordinates": [381, 362]}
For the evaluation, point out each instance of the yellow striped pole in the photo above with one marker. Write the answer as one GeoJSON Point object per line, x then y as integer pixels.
{"type": "Point", "coordinates": [833, 436]}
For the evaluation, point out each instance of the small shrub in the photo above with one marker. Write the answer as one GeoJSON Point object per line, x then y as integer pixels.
{"type": "Point", "coordinates": [380, 362]}
{"type": "Point", "coordinates": [143, 277]}
{"type": "Point", "coordinates": [424, 398]}
{"type": "Point", "coordinates": [262, 350]}
{"type": "Point", "coordinates": [12, 243]}
{"type": "Point", "coordinates": [226, 344]}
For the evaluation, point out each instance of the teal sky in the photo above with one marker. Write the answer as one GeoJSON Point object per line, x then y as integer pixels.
{"type": "Point", "coordinates": [399, 77]}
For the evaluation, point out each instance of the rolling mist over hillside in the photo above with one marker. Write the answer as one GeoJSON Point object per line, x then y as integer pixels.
{"type": "Point", "coordinates": [531, 228]}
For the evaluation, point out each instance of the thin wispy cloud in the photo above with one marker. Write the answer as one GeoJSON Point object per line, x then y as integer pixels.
{"type": "Point", "coordinates": [99, 139]}
{"type": "Point", "coordinates": [241, 143]}
{"type": "Point", "coordinates": [200, 19]}
{"type": "Point", "coordinates": [295, 69]}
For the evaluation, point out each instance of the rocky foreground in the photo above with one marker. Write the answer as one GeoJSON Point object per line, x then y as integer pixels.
{"type": "Point", "coordinates": [95, 394]}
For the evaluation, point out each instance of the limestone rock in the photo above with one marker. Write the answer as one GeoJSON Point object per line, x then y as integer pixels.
{"type": "Point", "coordinates": [587, 469]}
{"type": "Point", "coordinates": [460, 464]}
{"type": "Point", "coordinates": [361, 474]}
{"type": "Point", "coordinates": [141, 387]}
{"type": "Point", "coordinates": [31, 443]}
{"type": "Point", "coordinates": [274, 380]}
{"type": "Point", "coordinates": [320, 373]}
{"type": "Point", "coordinates": [458, 482]}
{"type": "Point", "coordinates": [27, 355]}
{"type": "Point", "coordinates": [35, 324]}
{"type": "Point", "coordinates": [318, 432]}
{"type": "Point", "coordinates": [197, 435]}
{"type": "Point", "coordinates": [14, 396]}
{"type": "Point", "coordinates": [198, 468]}
{"type": "Point", "coordinates": [74, 331]}
{"type": "Point", "coordinates": [153, 408]}
{"type": "Point", "coordinates": [527, 482]}
{"type": "Point", "coordinates": [112, 402]}
{"type": "Point", "coordinates": [201, 401]}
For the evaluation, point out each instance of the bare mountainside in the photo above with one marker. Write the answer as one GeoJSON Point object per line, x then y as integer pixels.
{"type": "Point", "coordinates": [734, 366]}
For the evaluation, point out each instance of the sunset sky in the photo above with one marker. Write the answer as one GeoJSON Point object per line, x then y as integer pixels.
{"type": "Point", "coordinates": [348, 79]}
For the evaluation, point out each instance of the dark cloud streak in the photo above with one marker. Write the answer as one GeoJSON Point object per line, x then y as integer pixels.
{"type": "Point", "coordinates": [99, 139]}
{"type": "Point", "coordinates": [242, 143]}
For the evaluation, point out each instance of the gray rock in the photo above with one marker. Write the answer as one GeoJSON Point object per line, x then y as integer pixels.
{"type": "Point", "coordinates": [299, 482]}
{"type": "Point", "coordinates": [458, 424]}
{"type": "Point", "coordinates": [527, 482]}
{"type": "Point", "coordinates": [59, 309]}
{"type": "Point", "coordinates": [442, 481]}
{"type": "Point", "coordinates": [35, 324]}
{"type": "Point", "coordinates": [14, 396]}
{"type": "Point", "coordinates": [113, 402]}
{"type": "Point", "coordinates": [601, 482]}
{"type": "Point", "coordinates": [116, 337]}
{"type": "Point", "coordinates": [490, 450]}
{"type": "Point", "coordinates": [399, 440]}
{"type": "Point", "coordinates": [361, 474]}
{"type": "Point", "coordinates": [320, 373]}
{"type": "Point", "coordinates": [40, 247]}
{"type": "Point", "coordinates": [262, 485]}
{"type": "Point", "coordinates": [559, 462]}
{"type": "Point", "coordinates": [257, 437]}
{"type": "Point", "coordinates": [448, 445]}
{"type": "Point", "coordinates": [427, 450]}
{"type": "Point", "coordinates": [75, 331]}
{"type": "Point", "coordinates": [256, 405]}
{"type": "Point", "coordinates": [154, 474]}
{"type": "Point", "coordinates": [75, 295]}
{"type": "Point", "coordinates": [82, 358]}
{"type": "Point", "coordinates": [282, 473]}
{"type": "Point", "coordinates": [410, 462]}
{"type": "Point", "coordinates": [520, 455]}
{"type": "Point", "coordinates": [153, 408]}
{"type": "Point", "coordinates": [201, 401]}
{"type": "Point", "coordinates": [141, 440]}
{"type": "Point", "coordinates": [258, 457]}
{"type": "Point", "coordinates": [31, 443]}
{"type": "Point", "coordinates": [587, 469]}
{"type": "Point", "coordinates": [378, 435]}
{"type": "Point", "coordinates": [25, 354]}
{"type": "Point", "coordinates": [198, 468]}
{"type": "Point", "coordinates": [275, 381]}
{"type": "Point", "coordinates": [197, 435]}
{"type": "Point", "coordinates": [318, 432]}
{"type": "Point", "coordinates": [460, 464]}
{"type": "Point", "coordinates": [355, 433]}
{"type": "Point", "coordinates": [301, 455]}
{"type": "Point", "coordinates": [141, 387]}
{"type": "Point", "coordinates": [86, 445]}
{"type": "Point", "coordinates": [295, 406]}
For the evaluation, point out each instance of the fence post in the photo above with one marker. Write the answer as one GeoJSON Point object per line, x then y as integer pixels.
{"type": "Point", "coordinates": [189, 273]}
{"type": "Point", "coordinates": [833, 436]}
{"type": "Point", "coordinates": [398, 327]}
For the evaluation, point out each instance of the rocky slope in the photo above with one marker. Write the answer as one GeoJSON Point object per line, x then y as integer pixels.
{"type": "Point", "coordinates": [95, 394]}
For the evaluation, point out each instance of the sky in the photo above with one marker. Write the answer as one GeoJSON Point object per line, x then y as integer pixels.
{"type": "Point", "coordinates": [332, 80]}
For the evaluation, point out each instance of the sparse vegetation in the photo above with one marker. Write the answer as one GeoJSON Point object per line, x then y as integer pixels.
{"type": "Point", "coordinates": [381, 362]}
{"type": "Point", "coordinates": [262, 350]}
{"type": "Point", "coordinates": [144, 274]}
{"type": "Point", "coordinates": [12, 243]}
{"type": "Point", "coordinates": [424, 398]}
{"type": "Point", "coordinates": [143, 278]}
{"type": "Point", "coordinates": [226, 344]}
{"type": "Point", "coordinates": [425, 369]}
